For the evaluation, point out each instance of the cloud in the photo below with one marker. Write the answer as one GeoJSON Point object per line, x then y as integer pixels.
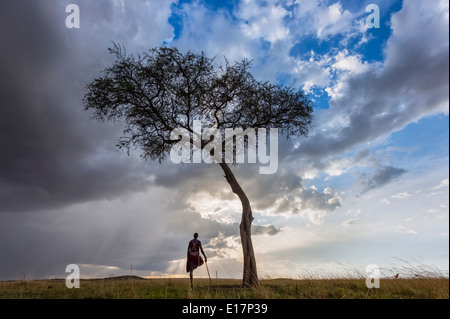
{"type": "Point", "coordinates": [264, 21]}
{"type": "Point", "coordinates": [266, 32]}
{"type": "Point", "coordinates": [215, 32]}
{"type": "Point", "coordinates": [351, 222]}
{"type": "Point", "coordinates": [311, 73]}
{"type": "Point", "coordinates": [401, 195]}
{"type": "Point", "coordinates": [204, 188]}
{"type": "Point", "coordinates": [221, 246]}
{"type": "Point", "coordinates": [353, 212]}
{"type": "Point", "coordinates": [345, 62]}
{"type": "Point", "coordinates": [286, 193]}
{"type": "Point", "coordinates": [315, 17]}
{"type": "Point", "coordinates": [403, 229]}
{"type": "Point", "coordinates": [442, 184]}
{"type": "Point", "coordinates": [382, 176]}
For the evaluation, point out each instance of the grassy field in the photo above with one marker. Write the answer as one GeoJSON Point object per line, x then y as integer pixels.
{"type": "Point", "coordinates": [131, 287]}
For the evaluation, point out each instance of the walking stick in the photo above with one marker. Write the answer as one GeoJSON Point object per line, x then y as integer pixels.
{"type": "Point", "coordinates": [210, 282]}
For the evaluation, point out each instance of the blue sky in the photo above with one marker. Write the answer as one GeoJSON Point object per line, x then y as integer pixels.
{"type": "Point", "coordinates": [368, 186]}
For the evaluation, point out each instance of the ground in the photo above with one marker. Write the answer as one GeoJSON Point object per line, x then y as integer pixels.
{"type": "Point", "coordinates": [133, 287]}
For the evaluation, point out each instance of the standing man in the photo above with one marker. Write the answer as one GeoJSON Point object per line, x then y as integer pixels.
{"type": "Point", "coordinates": [194, 259]}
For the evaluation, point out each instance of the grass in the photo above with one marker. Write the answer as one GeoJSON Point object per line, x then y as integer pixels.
{"type": "Point", "coordinates": [132, 287]}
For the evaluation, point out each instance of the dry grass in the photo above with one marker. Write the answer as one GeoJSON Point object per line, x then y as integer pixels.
{"type": "Point", "coordinates": [415, 282]}
{"type": "Point", "coordinates": [135, 288]}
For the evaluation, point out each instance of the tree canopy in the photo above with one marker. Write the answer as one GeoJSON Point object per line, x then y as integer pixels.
{"type": "Point", "coordinates": [164, 89]}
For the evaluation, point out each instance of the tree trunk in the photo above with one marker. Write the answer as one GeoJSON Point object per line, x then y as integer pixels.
{"type": "Point", "coordinates": [250, 277]}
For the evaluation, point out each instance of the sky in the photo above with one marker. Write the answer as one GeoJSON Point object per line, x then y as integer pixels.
{"type": "Point", "coordinates": [369, 185]}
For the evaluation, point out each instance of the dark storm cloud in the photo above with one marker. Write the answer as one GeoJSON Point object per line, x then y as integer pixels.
{"type": "Point", "coordinates": [52, 155]}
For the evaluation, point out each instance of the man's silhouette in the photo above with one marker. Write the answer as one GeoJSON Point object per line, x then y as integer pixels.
{"type": "Point", "coordinates": [194, 259]}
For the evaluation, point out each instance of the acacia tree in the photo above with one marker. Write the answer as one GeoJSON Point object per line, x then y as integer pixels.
{"type": "Point", "coordinates": [164, 89]}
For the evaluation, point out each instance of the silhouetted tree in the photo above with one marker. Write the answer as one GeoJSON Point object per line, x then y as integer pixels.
{"type": "Point", "coordinates": [164, 89]}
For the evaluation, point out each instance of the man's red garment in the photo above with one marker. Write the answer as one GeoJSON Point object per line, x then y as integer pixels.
{"type": "Point", "coordinates": [194, 259]}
